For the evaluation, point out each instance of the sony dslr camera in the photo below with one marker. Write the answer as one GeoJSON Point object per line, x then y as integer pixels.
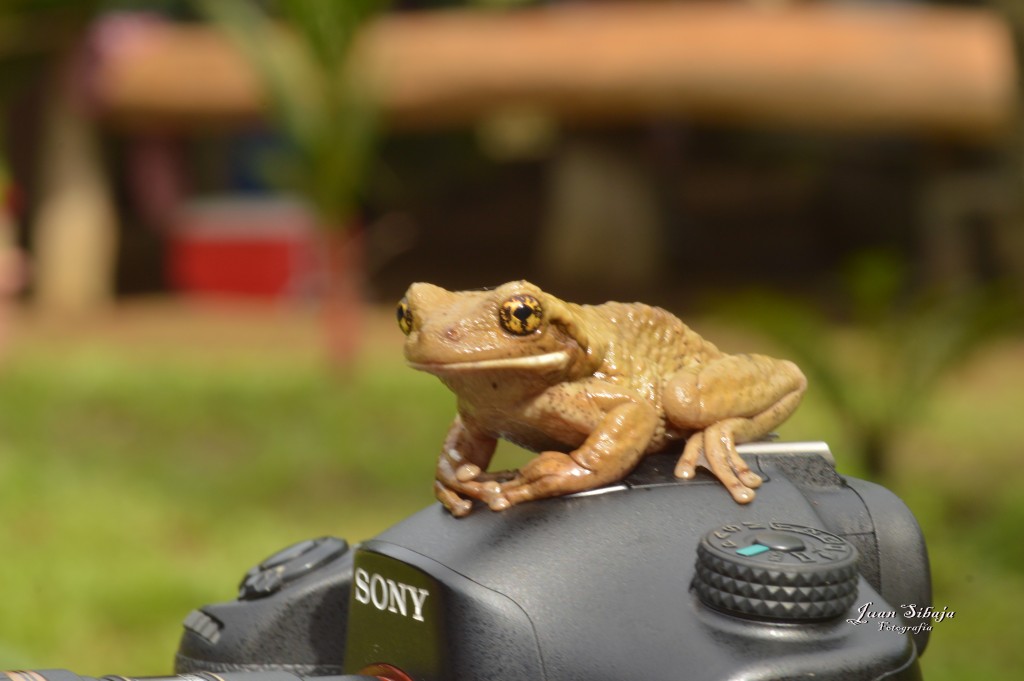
{"type": "Point", "coordinates": [650, 579]}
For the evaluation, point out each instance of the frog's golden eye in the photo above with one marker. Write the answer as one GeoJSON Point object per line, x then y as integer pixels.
{"type": "Point", "coordinates": [404, 316]}
{"type": "Point", "coordinates": [521, 314]}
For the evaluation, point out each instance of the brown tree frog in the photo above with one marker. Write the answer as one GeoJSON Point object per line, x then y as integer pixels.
{"type": "Point", "coordinates": [592, 388]}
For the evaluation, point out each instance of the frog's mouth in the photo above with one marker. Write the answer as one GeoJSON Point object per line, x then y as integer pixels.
{"type": "Point", "coordinates": [550, 360]}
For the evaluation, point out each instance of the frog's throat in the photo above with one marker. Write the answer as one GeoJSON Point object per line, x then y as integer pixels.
{"type": "Point", "coordinates": [550, 360]}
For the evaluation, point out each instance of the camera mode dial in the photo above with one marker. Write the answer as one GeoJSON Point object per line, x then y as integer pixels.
{"type": "Point", "coordinates": [288, 565]}
{"type": "Point", "coordinates": [776, 571]}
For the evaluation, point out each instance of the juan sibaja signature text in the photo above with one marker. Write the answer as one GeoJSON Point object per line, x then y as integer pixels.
{"type": "Point", "coordinates": [924, 616]}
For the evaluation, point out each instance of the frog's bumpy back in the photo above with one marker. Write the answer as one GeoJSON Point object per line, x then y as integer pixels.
{"type": "Point", "coordinates": [648, 341]}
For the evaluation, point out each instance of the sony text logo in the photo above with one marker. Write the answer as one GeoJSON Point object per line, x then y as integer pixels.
{"type": "Point", "coordinates": [387, 594]}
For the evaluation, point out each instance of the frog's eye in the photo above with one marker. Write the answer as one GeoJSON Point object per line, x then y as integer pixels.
{"type": "Point", "coordinates": [404, 316]}
{"type": "Point", "coordinates": [521, 314]}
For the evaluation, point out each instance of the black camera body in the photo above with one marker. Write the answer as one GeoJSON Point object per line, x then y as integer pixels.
{"type": "Point", "coordinates": [653, 578]}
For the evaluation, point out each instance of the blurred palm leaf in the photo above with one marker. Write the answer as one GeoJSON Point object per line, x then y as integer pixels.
{"type": "Point", "coordinates": [302, 51]}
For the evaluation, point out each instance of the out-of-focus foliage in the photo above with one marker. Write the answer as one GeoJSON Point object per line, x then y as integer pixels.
{"type": "Point", "coordinates": [30, 29]}
{"type": "Point", "coordinates": [880, 372]}
{"type": "Point", "coordinates": [32, 34]}
{"type": "Point", "coordinates": [301, 50]}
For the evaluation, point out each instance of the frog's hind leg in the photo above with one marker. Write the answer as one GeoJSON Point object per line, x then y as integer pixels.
{"type": "Point", "coordinates": [735, 399]}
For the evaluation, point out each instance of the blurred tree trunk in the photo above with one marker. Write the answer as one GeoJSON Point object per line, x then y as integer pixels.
{"type": "Point", "coordinates": [876, 446]}
{"type": "Point", "coordinates": [601, 195]}
{"type": "Point", "coordinates": [75, 230]}
{"type": "Point", "coordinates": [343, 307]}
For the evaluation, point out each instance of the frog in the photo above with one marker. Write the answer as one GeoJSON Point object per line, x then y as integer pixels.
{"type": "Point", "coordinates": [590, 389]}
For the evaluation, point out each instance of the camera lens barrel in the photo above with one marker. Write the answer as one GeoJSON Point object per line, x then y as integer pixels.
{"type": "Point", "coordinates": [65, 675]}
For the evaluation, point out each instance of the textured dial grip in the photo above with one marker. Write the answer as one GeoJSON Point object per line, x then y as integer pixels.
{"type": "Point", "coordinates": [776, 571]}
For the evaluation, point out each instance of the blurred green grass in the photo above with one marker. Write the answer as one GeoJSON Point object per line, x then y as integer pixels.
{"type": "Point", "coordinates": [132, 490]}
{"type": "Point", "coordinates": [137, 486]}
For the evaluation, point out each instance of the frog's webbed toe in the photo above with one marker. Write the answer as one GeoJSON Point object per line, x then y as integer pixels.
{"type": "Point", "coordinates": [715, 449]}
{"type": "Point", "coordinates": [455, 504]}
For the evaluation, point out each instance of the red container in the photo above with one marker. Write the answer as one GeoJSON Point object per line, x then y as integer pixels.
{"type": "Point", "coordinates": [244, 247]}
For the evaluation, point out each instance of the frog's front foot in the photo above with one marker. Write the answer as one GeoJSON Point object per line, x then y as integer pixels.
{"type": "Point", "coordinates": [457, 485]}
{"type": "Point", "coordinates": [715, 448]}
{"type": "Point", "coordinates": [548, 474]}
{"type": "Point", "coordinates": [457, 496]}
